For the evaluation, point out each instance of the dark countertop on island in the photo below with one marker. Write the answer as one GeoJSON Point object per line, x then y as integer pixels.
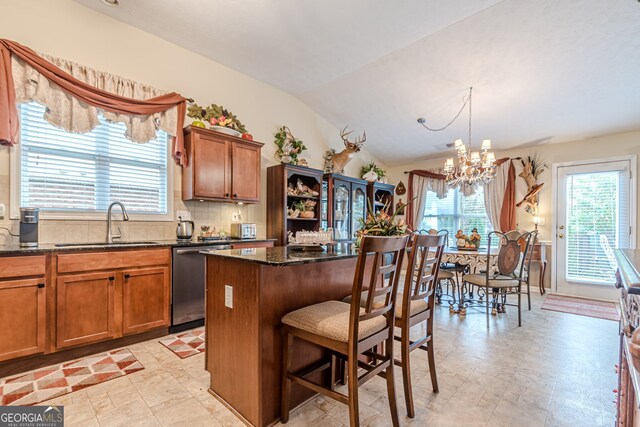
{"type": "Point", "coordinates": [284, 255]}
{"type": "Point", "coordinates": [15, 249]}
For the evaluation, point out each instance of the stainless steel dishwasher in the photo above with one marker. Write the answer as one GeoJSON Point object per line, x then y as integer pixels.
{"type": "Point", "coordinates": [188, 285]}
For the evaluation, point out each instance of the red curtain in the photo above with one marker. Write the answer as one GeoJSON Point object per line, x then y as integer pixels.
{"type": "Point", "coordinates": [80, 90]}
{"type": "Point", "coordinates": [508, 211]}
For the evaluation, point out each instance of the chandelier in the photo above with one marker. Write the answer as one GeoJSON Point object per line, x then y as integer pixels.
{"type": "Point", "coordinates": [473, 167]}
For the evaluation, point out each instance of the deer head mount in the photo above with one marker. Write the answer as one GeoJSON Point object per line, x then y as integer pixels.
{"type": "Point", "coordinates": [336, 162]}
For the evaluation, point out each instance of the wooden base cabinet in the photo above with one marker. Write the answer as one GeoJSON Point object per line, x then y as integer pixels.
{"type": "Point", "coordinates": [145, 299]}
{"type": "Point", "coordinates": [130, 295]}
{"type": "Point", "coordinates": [23, 318]}
{"type": "Point", "coordinates": [85, 308]}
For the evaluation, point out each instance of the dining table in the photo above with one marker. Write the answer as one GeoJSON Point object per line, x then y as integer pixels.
{"type": "Point", "coordinates": [463, 261]}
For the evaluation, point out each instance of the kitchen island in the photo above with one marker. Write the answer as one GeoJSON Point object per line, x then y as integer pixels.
{"type": "Point", "coordinates": [243, 342]}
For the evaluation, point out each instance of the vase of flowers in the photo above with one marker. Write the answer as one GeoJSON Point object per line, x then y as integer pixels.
{"type": "Point", "coordinates": [220, 119]}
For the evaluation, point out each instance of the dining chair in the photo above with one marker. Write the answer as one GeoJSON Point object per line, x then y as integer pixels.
{"type": "Point", "coordinates": [518, 236]}
{"type": "Point", "coordinates": [349, 330]}
{"type": "Point", "coordinates": [447, 273]}
{"type": "Point", "coordinates": [508, 276]}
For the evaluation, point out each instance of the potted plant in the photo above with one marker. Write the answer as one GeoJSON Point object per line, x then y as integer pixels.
{"type": "Point", "coordinates": [218, 117]}
{"type": "Point", "coordinates": [372, 172]}
{"type": "Point", "coordinates": [289, 147]}
{"type": "Point", "coordinates": [309, 209]}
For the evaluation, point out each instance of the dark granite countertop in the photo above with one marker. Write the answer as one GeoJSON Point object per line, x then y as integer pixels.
{"type": "Point", "coordinates": [45, 248]}
{"type": "Point", "coordinates": [283, 255]}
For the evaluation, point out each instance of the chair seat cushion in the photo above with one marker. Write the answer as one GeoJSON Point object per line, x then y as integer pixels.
{"type": "Point", "coordinates": [330, 319]}
{"type": "Point", "coordinates": [417, 306]}
{"type": "Point", "coordinates": [445, 274]}
{"type": "Point", "coordinates": [495, 282]}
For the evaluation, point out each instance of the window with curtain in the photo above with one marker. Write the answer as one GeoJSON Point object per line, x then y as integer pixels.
{"type": "Point", "coordinates": [456, 212]}
{"type": "Point", "coordinates": [84, 173]}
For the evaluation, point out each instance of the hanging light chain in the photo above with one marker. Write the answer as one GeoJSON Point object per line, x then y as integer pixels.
{"type": "Point", "coordinates": [422, 121]}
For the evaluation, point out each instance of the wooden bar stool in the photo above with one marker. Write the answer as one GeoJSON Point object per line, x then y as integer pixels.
{"type": "Point", "coordinates": [351, 330]}
{"type": "Point", "coordinates": [416, 306]}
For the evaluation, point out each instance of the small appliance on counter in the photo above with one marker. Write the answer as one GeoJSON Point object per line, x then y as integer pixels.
{"type": "Point", "coordinates": [185, 229]}
{"type": "Point", "coordinates": [243, 230]}
{"type": "Point", "coordinates": [29, 218]}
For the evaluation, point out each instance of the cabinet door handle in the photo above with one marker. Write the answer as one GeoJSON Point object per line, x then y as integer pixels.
{"type": "Point", "coordinates": [235, 195]}
{"type": "Point", "coordinates": [226, 195]}
{"type": "Point", "coordinates": [126, 276]}
{"type": "Point", "coordinates": [112, 278]}
{"type": "Point", "coordinates": [40, 285]}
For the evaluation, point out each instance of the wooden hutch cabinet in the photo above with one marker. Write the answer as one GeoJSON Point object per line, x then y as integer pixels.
{"type": "Point", "coordinates": [279, 177]}
{"type": "Point", "coordinates": [379, 195]}
{"type": "Point", "coordinates": [220, 167]}
{"type": "Point", "coordinates": [344, 203]}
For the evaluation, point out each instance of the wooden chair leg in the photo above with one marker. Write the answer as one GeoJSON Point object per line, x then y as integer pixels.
{"type": "Point", "coordinates": [432, 366]}
{"type": "Point", "coordinates": [529, 293]}
{"type": "Point", "coordinates": [406, 372]}
{"type": "Point", "coordinates": [335, 366]}
{"type": "Point", "coordinates": [352, 380]}
{"type": "Point", "coordinates": [343, 371]}
{"type": "Point", "coordinates": [286, 382]}
{"type": "Point", "coordinates": [391, 387]}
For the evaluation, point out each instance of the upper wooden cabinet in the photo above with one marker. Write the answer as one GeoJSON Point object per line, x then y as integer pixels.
{"type": "Point", "coordinates": [220, 167]}
{"type": "Point", "coordinates": [22, 306]}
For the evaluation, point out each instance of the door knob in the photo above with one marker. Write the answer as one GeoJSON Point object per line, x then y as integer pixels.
{"type": "Point", "coordinates": [561, 227]}
{"type": "Point", "coordinates": [561, 236]}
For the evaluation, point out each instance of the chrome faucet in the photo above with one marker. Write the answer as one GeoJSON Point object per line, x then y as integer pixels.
{"type": "Point", "coordinates": [125, 217]}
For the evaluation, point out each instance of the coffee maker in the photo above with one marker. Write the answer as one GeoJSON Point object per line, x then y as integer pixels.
{"type": "Point", "coordinates": [29, 218]}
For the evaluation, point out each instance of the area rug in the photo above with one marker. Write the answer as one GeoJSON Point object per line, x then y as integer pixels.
{"type": "Point", "coordinates": [582, 307]}
{"type": "Point", "coordinates": [54, 381]}
{"type": "Point", "coordinates": [187, 344]}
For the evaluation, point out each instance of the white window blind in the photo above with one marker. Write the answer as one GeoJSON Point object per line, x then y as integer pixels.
{"type": "Point", "coordinates": [68, 172]}
{"type": "Point", "coordinates": [598, 206]}
{"type": "Point", "coordinates": [456, 212]}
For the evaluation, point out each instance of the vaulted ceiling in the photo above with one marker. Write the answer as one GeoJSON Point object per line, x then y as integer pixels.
{"type": "Point", "coordinates": [541, 70]}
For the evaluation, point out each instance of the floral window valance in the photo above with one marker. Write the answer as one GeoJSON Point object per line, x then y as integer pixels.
{"type": "Point", "coordinates": [74, 95]}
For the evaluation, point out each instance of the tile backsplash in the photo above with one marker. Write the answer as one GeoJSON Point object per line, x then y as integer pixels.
{"type": "Point", "coordinates": [219, 215]}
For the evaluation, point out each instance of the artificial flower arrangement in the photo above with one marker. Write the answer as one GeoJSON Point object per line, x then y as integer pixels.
{"type": "Point", "coordinates": [215, 115]}
{"type": "Point", "coordinates": [372, 172]}
{"type": "Point", "coordinates": [289, 147]}
{"type": "Point", "coordinates": [302, 209]}
{"type": "Point", "coordinates": [471, 242]}
{"type": "Point", "coordinates": [381, 224]}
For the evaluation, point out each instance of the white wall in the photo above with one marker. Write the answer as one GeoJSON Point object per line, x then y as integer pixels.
{"type": "Point", "coordinates": [622, 144]}
{"type": "Point", "coordinates": [68, 30]}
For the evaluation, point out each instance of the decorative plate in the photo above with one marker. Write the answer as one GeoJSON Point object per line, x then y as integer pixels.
{"type": "Point", "coordinates": [225, 130]}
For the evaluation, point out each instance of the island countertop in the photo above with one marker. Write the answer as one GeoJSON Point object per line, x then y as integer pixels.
{"type": "Point", "coordinates": [284, 255]}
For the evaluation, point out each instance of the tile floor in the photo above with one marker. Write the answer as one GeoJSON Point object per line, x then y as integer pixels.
{"type": "Point", "coordinates": [558, 369]}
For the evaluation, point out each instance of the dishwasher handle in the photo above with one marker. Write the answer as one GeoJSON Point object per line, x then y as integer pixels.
{"type": "Point", "coordinates": [198, 250]}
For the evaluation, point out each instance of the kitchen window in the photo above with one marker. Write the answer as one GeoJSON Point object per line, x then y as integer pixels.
{"type": "Point", "coordinates": [456, 212]}
{"type": "Point", "coordinates": [70, 175]}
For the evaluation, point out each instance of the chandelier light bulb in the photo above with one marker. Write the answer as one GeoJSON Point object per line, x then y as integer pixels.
{"type": "Point", "coordinates": [486, 145]}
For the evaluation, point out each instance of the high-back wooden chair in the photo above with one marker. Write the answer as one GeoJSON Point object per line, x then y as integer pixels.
{"type": "Point", "coordinates": [514, 258]}
{"type": "Point", "coordinates": [347, 329]}
{"type": "Point", "coordinates": [417, 303]}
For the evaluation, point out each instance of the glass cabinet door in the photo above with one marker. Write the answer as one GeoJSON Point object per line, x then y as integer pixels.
{"type": "Point", "coordinates": [341, 214]}
{"type": "Point", "coordinates": [324, 208]}
{"type": "Point", "coordinates": [359, 209]}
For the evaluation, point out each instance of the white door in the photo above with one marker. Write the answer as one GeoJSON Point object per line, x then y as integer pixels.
{"type": "Point", "coordinates": [594, 203]}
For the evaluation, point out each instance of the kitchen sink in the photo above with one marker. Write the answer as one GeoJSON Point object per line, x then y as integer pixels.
{"type": "Point", "coordinates": [102, 244]}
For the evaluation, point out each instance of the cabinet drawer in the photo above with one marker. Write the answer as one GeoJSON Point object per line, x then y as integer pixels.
{"type": "Point", "coordinates": [251, 245]}
{"type": "Point", "coordinates": [21, 266]}
{"type": "Point", "coordinates": [92, 261]}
